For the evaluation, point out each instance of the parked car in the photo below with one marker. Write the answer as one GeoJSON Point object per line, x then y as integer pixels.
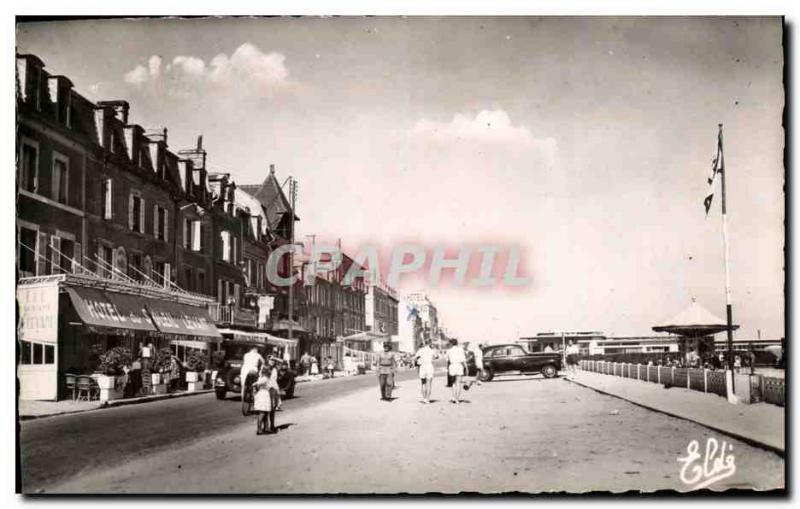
{"type": "Point", "coordinates": [229, 379]}
{"type": "Point", "coordinates": [514, 359]}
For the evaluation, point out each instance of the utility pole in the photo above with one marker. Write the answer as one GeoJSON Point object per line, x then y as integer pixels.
{"type": "Point", "coordinates": [293, 193]}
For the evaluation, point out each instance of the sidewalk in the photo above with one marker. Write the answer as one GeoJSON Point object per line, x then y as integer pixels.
{"type": "Point", "coordinates": [29, 409]}
{"type": "Point", "coordinates": [760, 423]}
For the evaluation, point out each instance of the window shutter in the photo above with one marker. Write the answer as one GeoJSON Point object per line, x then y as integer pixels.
{"type": "Point", "coordinates": [196, 235]}
{"type": "Point", "coordinates": [226, 254]}
{"type": "Point", "coordinates": [236, 292]}
{"type": "Point", "coordinates": [141, 215]}
{"type": "Point", "coordinates": [114, 263]}
{"type": "Point", "coordinates": [108, 198]}
{"type": "Point", "coordinates": [55, 257]}
{"type": "Point", "coordinates": [166, 225]}
{"type": "Point", "coordinates": [155, 221]}
{"type": "Point", "coordinates": [167, 275]}
{"type": "Point", "coordinates": [41, 254]}
{"type": "Point", "coordinates": [130, 212]}
{"type": "Point", "coordinates": [77, 256]}
{"type": "Point", "coordinates": [219, 291]}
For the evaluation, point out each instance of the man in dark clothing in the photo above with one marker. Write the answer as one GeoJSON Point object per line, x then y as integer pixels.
{"type": "Point", "coordinates": [387, 366]}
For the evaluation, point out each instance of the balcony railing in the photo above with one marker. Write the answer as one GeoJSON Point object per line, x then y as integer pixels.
{"type": "Point", "coordinates": [228, 315]}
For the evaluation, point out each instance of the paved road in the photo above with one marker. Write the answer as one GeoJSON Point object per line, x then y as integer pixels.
{"type": "Point", "coordinates": [56, 448]}
{"type": "Point", "coordinates": [530, 435]}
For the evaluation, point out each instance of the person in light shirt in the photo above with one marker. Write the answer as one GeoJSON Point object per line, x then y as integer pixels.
{"type": "Point", "coordinates": [457, 367]}
{"type": "Point", "coordinates": [478, 352]}
{"type": "Point", "coordinates": [424, 359]}
{"type": "Point", "coordinates": [251, 364]}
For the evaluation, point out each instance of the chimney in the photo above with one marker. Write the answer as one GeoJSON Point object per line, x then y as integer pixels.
{"type": "Point", "coordinates": [272, 169]}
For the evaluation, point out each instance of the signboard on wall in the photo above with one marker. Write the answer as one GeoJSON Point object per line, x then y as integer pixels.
{"type": "Point", "coordinates": [38, 311]}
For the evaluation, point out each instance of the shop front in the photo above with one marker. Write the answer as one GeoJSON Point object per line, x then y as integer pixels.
{"type": "Point", "coordinates": [76, 326]}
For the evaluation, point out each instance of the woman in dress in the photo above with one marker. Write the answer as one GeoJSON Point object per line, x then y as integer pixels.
{"type": "Point", "coordinates": [262, 402]}
{"type": "Point", "coordinates": [456, 367]}
{"type": "Point", "coordinates": [274, 391]}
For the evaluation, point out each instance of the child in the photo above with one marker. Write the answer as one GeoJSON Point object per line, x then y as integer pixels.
{"type": "Point", "coordinates": [262, 402]}
{"type": "Point", "coordinates": [274, 391]}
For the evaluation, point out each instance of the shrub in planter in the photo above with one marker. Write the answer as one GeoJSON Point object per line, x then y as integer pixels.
{"type": "Point", "coordinates": [113, 361]}
{"type": "Point", "coordinates": [196, 362]}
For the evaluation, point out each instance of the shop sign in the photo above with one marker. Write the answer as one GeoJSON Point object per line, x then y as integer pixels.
{"type": "Point", "coordinates": [38, 310]}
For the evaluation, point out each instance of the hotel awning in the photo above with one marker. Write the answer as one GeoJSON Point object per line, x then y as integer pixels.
{"type": "Point", "coordinates": [177, 318]}
{"type": "Point", "coordinates": [97, 308]}
{"type": "Point", "coordinates": [258, 337]}
{"type": "Point", "coordinates": [367, 336]}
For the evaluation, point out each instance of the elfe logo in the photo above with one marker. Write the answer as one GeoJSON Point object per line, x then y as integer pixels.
{"type": "Point", "coordinates": [700, 471]}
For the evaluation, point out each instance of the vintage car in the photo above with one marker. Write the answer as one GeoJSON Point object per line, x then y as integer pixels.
{"type": "Point", "coordinates": [513, 359]}
{"type": "Point", "coordinates": [228, 375]}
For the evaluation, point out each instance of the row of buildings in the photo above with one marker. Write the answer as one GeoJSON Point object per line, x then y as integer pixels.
{"type": "Point", "coordinates": [122, 241]}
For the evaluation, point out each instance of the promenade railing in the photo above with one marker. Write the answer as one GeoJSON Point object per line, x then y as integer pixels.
{"type": "Point", "coordinates": [762, 388]}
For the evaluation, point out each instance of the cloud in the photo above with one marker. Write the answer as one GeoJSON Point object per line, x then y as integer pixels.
{"type": "Point", "coordinates": [488, 126]}
{"type": "Point", "coordinates": [248, 71]}
{"type": "Point", "coordinates": [136, 76]}
{"type": "Point", "coordinates": [154, 65]}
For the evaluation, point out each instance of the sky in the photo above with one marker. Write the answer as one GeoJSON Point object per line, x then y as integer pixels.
{"type": "Point", "coordinates": [585, 142]}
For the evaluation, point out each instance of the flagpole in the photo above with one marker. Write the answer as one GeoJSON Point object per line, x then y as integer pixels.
{"type": "Point", "coordinates": [728, 307]}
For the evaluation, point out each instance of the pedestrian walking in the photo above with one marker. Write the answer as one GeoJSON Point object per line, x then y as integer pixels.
{"type": "Point", "coordinates": [305, 363]}
{"type": "Point", "coordinates": [262, 401]}
{"type": "Point", "coordinates": [457, 367]}
{"type": "Point", "coordinates": [424, 360]}
{"type": "Point", "coordinates": [387, 367]}
{"type": "Point", "coordinates": [251, 365]}
{"type": "Point", "coordinates": [314, 366]}
{"type": "Point", "coordinates": [329, 367]}
{"type": "Point", "coordinates": [572, 357]}
{"type": "Point", "coordinates": [477, 352]}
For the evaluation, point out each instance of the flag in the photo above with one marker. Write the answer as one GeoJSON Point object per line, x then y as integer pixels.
{"type": "Point", "coordinates": [716, 167]}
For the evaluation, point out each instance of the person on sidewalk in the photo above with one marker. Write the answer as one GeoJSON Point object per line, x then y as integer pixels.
{"type": "Point", "coordinates": [457, 367]}
{"type": "Point", "coordinates": [572, 358]}
{"type": "Point", "coordinates": [314, 366]}
{"type": "Point", "coordinates": [424, 359]}
{"type": "Point", "coordinates": [478, 353]}
{"type": "Point", "coordinates": [251, 365]}
{"type": "Point", "coordinates": [387, 367]}
{"type": "Point", "coordinates": [305, 364]}
{"type": "Point", "coordinates": [262, 401]}
{"type": "Point", "coordinates": [329, 367]}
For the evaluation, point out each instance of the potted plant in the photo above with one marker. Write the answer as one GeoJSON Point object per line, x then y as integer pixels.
{"type": "Point", "coordinates": [195, 364]}
{"type": "Point", "coordinates": [160, 364]}
{"type": "Point", "coordinates": [112, 370]}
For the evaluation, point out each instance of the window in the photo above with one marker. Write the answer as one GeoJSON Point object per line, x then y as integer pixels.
{"type": "Point", "coordinates": [158, 272]}
{"type": "Point", "coordinates": [60, 178]}
{"type": "Point", "coordinates": [107, 257]}
{"type": "Point", "coordinates": [188, 231]}
{"type": "Point", "coordinates": [37, 353]}
{"type": "Point", "coordinates": [135, 266]}
{"type": "Point", "coordinates": [160, 226]}
{"type": "Point", "coordinates": [201, 281]}
{"type": "Point", "coordinates": [188, 278]}
{"type": "Point", "coordinates": [136, 213]}
{"type": "Point", "coordinates": [107, 198]}
{"type": "Point", "coordinates": [68, 252]}
{"type": "Point", "coordinates": [30, 164]}
{"type": "Point", "coordinates": [27, 252]}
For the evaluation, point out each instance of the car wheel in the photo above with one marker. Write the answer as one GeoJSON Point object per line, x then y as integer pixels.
{"type": "Point", "coordinates": [221, 393]}
{"type": "Point", "coordinates": [549, 371]}
{"type": "Point", "coordinates": [487, 375]}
